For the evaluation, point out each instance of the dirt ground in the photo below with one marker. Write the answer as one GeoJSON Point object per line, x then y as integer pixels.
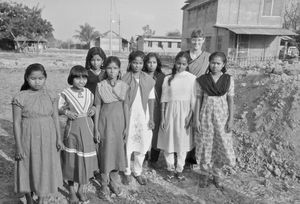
{"type": "Point", "coordinates": [266, 135]}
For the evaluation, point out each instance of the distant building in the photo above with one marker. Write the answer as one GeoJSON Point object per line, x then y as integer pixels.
{"type": "Point", "coordinates": [24, 44]}
{"type": "Point", "coordinates": [159, 44]}
{"type": "Point", "coordinates": [118, 44]}
{"type": "Point", "coordinates": [245, 30]}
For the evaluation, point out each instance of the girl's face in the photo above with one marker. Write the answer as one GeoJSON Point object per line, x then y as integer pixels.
{"type": "Point", "coordinates": [36, 80]}
{"type": "Point", "coordinates": [181, 64]}
{"type": "Point", "coordinates": [96, 62]}
{"type": "Point", "coordinates": [112, 70]}
{"type": "Point", "coordinates": [79, 82]}
{"type": "Point", "coordinates": [197, 43]}
{"type": "Point", "coordinates": [151, 64]}
{"type": "Point", "coordinates": [137, 64]}
{"type": "Point", "coordinates": [216, 65]}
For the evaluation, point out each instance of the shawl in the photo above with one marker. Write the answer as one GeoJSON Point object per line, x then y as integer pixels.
{"type": "Point", "coordinates": [199, 65]}
{"type": "Point", "coordinates": [111, 94]}
{"type": "Point", "coordinates": [213, 88]}
{"type": "Point", "coordinates": [146, 84]}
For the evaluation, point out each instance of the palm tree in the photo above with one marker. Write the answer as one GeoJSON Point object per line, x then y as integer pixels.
{"type": "Point", "coordinates": [86, 33]}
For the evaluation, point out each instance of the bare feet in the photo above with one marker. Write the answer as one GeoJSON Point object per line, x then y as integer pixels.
{"type": "Point", "coordinates": [72, 196]}
{"type": "Point", "coordinates": [81, 195]}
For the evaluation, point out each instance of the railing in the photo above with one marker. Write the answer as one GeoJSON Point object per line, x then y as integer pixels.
{"type": "Point", "coordinates": [249, 61]}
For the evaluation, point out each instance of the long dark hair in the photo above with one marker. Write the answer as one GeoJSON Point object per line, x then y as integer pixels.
{"type": "Point", "coordinates": [132, 56]}
{"type": "Point", "coordinates": [224, 60]}
{"type": "Point", "coordinates": [112, 59]}
{"type": "Point", "coordinates": [91, 53]}
{"type": "Point", "coordinates": [147, 58]}
{"type": "Point", "coordinates": [32, 68]}
{"type": "Point", "coordinates": [174, 70]}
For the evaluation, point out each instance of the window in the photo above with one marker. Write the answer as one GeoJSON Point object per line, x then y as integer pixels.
{"type": "Point", "coordinates": [272, 7]}
{"type": "Point", "coordinates": [149, 43]}
{"type": "Point", "coordinates": [179, 45]}
{"type": "Point", "coordinates": [160, 44]}
{"type": "Point", "coordinates": [169, 44]}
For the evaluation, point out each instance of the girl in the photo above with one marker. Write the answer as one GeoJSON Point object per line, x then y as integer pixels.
{"type": "Point", "coordinates": [110, 123]}
{"type": "Point", "coordinates": [214, 117]}
{"type": "Point", "coordinates": [79, 160]}
{"type": "Point", "coordinates": [140, 100]}
{"type": "Point", "coordinates": [152, 66]}
{"type": "Point", "coordinates": [93, 63]}
{"type": "Point", "coordinates": [37, 136]}
{"type": "Point", "coordinates": [178, 99]}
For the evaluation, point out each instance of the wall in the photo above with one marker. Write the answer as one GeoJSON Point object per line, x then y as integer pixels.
{"type": "Point", "coordinates": [199, 15]}
{"type": "Point", "coordinates": [246, 13]}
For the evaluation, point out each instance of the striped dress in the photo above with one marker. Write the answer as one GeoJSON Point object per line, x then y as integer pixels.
{"type": "Point", "coordinates": [79, 160]}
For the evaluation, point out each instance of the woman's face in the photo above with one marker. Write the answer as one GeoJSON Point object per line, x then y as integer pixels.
{"type": "Point", "coordinates": [197, 43]}
{"type": "Point", "coordinates": [112, 70]}
{"type": "Point", "coordinates": [152, 64]}
{"type": "Point", "coordinates": [36, 80]}
{"type": "Point", "coordinates": [181, 64]}
{"type": "Point", "coordinates": [96, 62]}
{"type": "Point", "coordinates": [216, 65]}
{"type": "Point", "coordinates": [137, 64]}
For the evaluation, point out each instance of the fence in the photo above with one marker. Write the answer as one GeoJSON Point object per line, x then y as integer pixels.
{"type": "Point", "coordinates": [248, 61]}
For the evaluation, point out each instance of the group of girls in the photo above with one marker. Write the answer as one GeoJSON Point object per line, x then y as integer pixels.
{"type": "Point", "coordinates": [126, 116]}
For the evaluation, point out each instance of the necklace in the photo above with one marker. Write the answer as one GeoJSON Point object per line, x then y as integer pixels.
{"type": "Point", "coordinates": [112, 83]}
{"type": "Point", "coordinates": [80, 94]}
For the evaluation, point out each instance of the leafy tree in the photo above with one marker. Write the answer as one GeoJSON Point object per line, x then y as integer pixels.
{"type": "Point", "coordinates": [148, 31]}
{"type": "Point", "coordinates": [20, 20]}
{"type": "Point", "coordinates": [292, 15]}
{"type": "Point", "coordinates": [174, 33]}
{"type": "Point", "coordinates": [86, 33]}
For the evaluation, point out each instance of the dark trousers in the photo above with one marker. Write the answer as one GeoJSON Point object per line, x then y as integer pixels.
{"type": "Point", "coordinates": [191, 157]}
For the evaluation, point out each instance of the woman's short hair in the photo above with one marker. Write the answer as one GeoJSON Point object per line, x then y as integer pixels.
{"type": "Point", "coordinates": [77, 71]}
{"type": "Point", "coordinates": [197, 33]}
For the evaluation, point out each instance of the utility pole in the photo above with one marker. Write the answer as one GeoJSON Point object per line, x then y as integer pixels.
{"type": "Point", "coordinates": [120, 38]}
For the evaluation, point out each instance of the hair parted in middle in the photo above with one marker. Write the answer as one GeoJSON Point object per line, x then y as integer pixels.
{"type": "Point", "coordinates": [220, 55]}
{"type": "Point", "coordinates": [147, 58]}
{"type": "Point", "coordinates": [91, 53]}
{"type": "Point", "coordinates": [132, 56]}
{"type": "Point", "coordinates": [174, 70]}
{"type": "Point", "coordinates": [77, 71]}
{"type": "Point", "coordinates": [108, 61]}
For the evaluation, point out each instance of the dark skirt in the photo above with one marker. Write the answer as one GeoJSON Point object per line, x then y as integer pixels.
{"type": "Point", "coordinates": [111, 127]}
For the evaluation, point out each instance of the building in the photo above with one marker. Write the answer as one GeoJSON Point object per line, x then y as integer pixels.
{"type": "Point", "coordinates": [118, 44]}
{"type": "Point", "coordinates": [24, 44]}
{"type": "Point", "coordinates": [247, 31]}
{"type": "Point", "coordinates": [159, 44]}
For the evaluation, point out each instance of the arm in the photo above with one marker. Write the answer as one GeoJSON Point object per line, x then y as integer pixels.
{"type": "Point", "coordinates": [59, 143]}
{"type": "Point", "coordinates": [17, 121]}
{"type": "Point", "coordinates": [97, 104]}
{"type": "Point", "coordinates": [230, 111]}
{"type": "Point", "coordinates": [163, 119]}
{"type": "Point", "coordinates": [126, 118]}
{"type": "Point", "coordinates": [199, 100]}
{"type": "Point", "coordinates": [151, 113]}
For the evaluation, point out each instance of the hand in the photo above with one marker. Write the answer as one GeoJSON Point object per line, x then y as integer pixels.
{"type": "Point", "coordinates": [91, 111]}
{"type": "Point", "coordinates": [97, 137]}
{"type": "Point", "coordinates": [60, 145]}
{"type": "Point", "coordinates": [197, 126]}
{"type": "Point", "coordinates": [187, 122]}
{"type": "Point", "coordinates": [151, 124]}
{"type": "Point", "coordinates": [125, 134]}
{"type": "Point", "coordinates": [19, 154]}
{"type": "Point", "coordinates": [228, 126]}
{"type": "Point", "coordinates": [163, 124]}
{"type": "Point", "coordinates": [71, 115]}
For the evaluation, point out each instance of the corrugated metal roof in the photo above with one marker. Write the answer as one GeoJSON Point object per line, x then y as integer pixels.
{"type": "Point", "coordinates": [259, 30]}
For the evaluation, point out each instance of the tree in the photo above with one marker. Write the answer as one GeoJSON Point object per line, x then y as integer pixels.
{"type": "Point", "coordinates": [292, 15]}
{"type": "Point", "coordinates": [86, 33]}
{"type": "Point", "coordinates": [148, 31]}
{"type": "Point", "coordinates": [174, 33]}
{"type": "Point", "coordinates": [20, 20]}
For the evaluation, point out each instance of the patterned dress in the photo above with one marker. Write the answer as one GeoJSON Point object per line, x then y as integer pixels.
{"type": "Point", "coordinates": [214, 146]}
{"type": "Point", "coordinates": [79, 160]}
{"type": "Point", "coordinates": [40, 170]}
{"type": "Point", "coordinates": [111, 125]}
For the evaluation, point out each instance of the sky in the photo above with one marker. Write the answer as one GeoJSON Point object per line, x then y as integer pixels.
{"type": "Point", "coordinates": [66, 15]}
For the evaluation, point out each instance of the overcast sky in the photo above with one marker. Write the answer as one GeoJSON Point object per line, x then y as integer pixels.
{"type": "Point", "coordinates": [66, 15]}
